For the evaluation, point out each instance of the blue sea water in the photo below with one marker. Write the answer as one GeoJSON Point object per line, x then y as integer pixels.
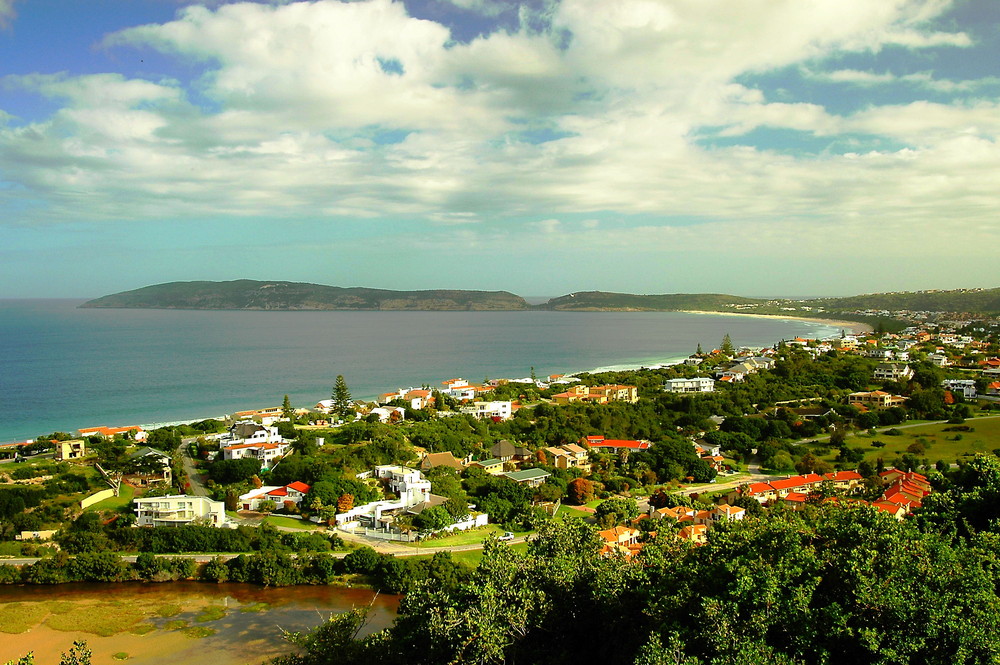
{"type": "Point", "coordinates": [63, 368]}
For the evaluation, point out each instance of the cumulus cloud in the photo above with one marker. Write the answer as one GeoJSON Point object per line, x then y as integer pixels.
{"type": "Point", "coordinates": [359, 110]}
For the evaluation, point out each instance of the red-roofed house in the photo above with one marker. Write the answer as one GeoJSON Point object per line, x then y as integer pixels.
{"type": "Point", "coordinates": [598, 441]}
{"type": "Point", "coordinates": [293, 492]}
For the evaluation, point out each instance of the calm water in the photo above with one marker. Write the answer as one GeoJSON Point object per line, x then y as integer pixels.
{"type": "Point", "coordinates": [63, 368]}
{"type": "Point", "coordinates": [240, 637]}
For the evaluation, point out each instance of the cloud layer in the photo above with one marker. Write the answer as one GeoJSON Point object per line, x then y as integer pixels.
{"type": "Point", "coordinates": [641, 110]}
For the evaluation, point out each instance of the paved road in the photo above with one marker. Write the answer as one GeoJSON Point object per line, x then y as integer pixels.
{"type": "Point", "coordinates": [196, 488]}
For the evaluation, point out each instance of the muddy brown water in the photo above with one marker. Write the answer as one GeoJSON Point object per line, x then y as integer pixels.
{"type": "Point", "coordinates": [240, 638]}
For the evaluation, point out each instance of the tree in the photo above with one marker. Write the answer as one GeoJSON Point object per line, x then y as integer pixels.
{"type": "Point", "coordinates": [580, 491]}
{"type": "Point", "coordinates": [727, 345]}
{"type": "Point", "coordinates": [286, 409]}
{"type": "Point", "coordinates": [341, 398]}
{"type": "Point", "coordinates": [266, 506]}
{"type": "Point", "coordinates": [345, 502]}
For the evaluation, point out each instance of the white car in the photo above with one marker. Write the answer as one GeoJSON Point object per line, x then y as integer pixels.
{"type": "Point", "coordinates": [507, 535]}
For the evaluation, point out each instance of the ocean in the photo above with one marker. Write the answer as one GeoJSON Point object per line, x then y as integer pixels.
{"type": "Point", "coordinates": [63, 368]}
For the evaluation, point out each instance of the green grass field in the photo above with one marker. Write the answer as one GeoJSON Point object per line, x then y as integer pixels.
{"type": "Point", "coordinates": [569, 511]}
{"type": "Point", "coordinates": [939, 444]}
{"type": "Point", "coordinates": [277, 520]}
{"type": "Point", "coordinates": [470, 537]}
{"type": "Point", "coordinates": [472, 558]}
{"type": "Point", "coordinates": [124, 498]}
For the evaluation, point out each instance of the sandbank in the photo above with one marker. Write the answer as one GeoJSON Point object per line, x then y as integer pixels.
{"type": "Point", "coordinates": [855, 327]}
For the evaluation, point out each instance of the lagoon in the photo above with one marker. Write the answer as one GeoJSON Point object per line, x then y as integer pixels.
{"type": "Point", "coordinates": [63, 368]}
{"type": "Point", "coordinates": [250, 630]}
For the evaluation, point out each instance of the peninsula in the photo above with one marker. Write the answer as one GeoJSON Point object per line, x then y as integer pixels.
{"type": "Point", "coordinates": [885, 310]}
{"type": "Point", "coordinates": [246, 294]}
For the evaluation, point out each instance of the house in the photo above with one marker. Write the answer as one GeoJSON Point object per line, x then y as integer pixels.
{"type": "Point", "coordinates": [498, 410]}
{"type": "Point", "coordinates": [597, 395]}
{"type": "Point", "coordinates": [529, 477]}
{"type": "Point", "coordinates": [267, 453]}
{"type": "Point", "coordinates": [892, 372]}
{"type": "Point", "coordinates": [293, 492]}
{"type": "Point", "coordinates": [133, 432]}
{"type": "Point", "coordinates": [598, 441]}
{"type": "Point", "coordinates": [408, 483]}
{"type": "Point", "coordinates": [151, 466]}
{"type": "Point", "coordinates": [620, 539]}
{"type": "Point", "coordinates": [389, 413]}
{"type": "Point", "coordinates": [938, 359]}
{"type": "Point", "coordinates": [569, 456]}
{"type": "Point", "coordinates": [503, 450]}
{"type": "Point", "coordinates": [694, 533]}
{"type": "Point", "coordinates": [448, 459]}
{"type": "Point", "coordinates": [492, 466]}
{"type": "Point", "coordinates": [247, 431]}
{"type": "Point", "coordinates": [410, 486]}
{"type": "Point", "coordinates": [696, 385]}
{"type": "Point", "coordinates": [876, 399]}
{"type": "Point", "coordinates": [965, 387]}
{"type": "Point", "coordinates": [178, 510]}
{"type": "Point", "coordinates": [72, 449]}
{"type": "Point", "coordinates": [266, 416]}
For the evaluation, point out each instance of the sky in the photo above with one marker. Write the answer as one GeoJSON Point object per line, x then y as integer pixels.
{"type": "Point", "coordinates": [751, 147]}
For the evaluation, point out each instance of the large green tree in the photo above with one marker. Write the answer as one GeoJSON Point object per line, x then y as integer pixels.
{"type": "Point", "coordinates": [341, 398]}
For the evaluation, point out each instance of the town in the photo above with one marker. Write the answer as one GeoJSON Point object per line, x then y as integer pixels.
{"type": "Point", "coordinates": [424, 482]}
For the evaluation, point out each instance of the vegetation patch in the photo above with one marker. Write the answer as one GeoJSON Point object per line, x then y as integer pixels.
{"type": "Point", "coordinates": [142, 628]}
{"type": "Point", "coordinates": [167, 611]}
{"type": "Point", "coordinates": [211, 613]}
{"type": "Point", "coordinates": [256, 607]}
{"type": "Point", "coordinates": [199, 631]}
{"type": "Point", "coordinates": [121, 655]}
{"type": "Point", "coordinates": [176, 624]}
{"type": "Point", "coordinates": [105, 619]}
{"type": "Point", "coordinates": [19, 617]}
{"type": "Point", "coordinates": [59, 606]}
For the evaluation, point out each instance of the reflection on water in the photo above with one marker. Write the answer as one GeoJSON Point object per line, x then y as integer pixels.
{"type": "Point", "coordinates": [241, 636]}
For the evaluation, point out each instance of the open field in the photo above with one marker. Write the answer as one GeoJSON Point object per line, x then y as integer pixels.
{"type": "Point", "coordinates": [939, 444]}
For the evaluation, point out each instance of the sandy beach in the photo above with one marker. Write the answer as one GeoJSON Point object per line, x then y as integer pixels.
{"type": "Point", "coordinates": [853, 327]}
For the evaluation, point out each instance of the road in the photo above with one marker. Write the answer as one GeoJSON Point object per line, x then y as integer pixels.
{"type": "Point", "coordinates": [196, 488]}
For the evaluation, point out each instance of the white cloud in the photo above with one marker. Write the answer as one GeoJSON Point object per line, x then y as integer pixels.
{"type": "Point", "coordinates": [359, 110]}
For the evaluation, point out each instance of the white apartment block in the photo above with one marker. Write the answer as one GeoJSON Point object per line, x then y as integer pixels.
{"type": "Point", "coordinates": [696, 385]}
{"type": "Point", "coordinates": [178, 510]}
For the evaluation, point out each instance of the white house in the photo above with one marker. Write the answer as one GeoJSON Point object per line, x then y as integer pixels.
{"type": "Point", "coordinates": [966, 387]}
{"type": "Point", "coordinates": [695, 385]}
{"type": "Point", "coordinates": [483, 410]}
{"type": "Point", "coordinates": [178, 510]}
{"type": "Point", "coordinates": [892, 372]}
{"type": "Point", "coordinates": [938, 359]}
{"type": "Point", "coordinates": [293, 492]}
{"type": "Point", "coordinates": [387, 413]}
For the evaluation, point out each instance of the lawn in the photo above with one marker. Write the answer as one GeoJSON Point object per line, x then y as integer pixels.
{"type": "Point", "coordinates": [470, 537]}
{"type": "Point", "coordinates": [939, 444]}
{"type": "Point", "coordinates": [472, 558]}
{"type": "Point", "coordinates": [569, 511]}
{"type": "Point", "coordinates": [124, 498]}
{"type": "Point", "coordinates": [277, 520]}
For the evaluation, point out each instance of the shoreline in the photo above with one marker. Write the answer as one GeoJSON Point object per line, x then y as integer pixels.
{"type": "Point", "coordinates": [855, 327]}
{"type": "Point", "coordinates": [624, 366]}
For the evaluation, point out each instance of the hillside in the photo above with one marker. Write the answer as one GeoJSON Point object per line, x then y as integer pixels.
{"type": "Point", "coordinates": [248, 294]}
{"type": "Point", "coordinates": [957, 300]}
{"type": "Point", "coordinates": [627, 302]}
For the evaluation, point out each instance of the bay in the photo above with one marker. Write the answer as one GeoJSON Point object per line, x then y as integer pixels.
{"type": "Point", "coordinates": [63, 368]}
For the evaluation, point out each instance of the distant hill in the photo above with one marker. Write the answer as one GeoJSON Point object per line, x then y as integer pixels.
{"type": "Point", "coordinates": [627, 302]}
{"type": "Point", "coordinates": [248, 294]}
{"type": "Point", "coordinates": [983, 301]}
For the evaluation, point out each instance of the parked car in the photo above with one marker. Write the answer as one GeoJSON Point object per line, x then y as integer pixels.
{"type": "Point", "coordinates": [507, 535]}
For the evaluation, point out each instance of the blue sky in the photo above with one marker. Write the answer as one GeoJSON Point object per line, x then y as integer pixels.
{"type": "Point", "coordinates": [753, 147]}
